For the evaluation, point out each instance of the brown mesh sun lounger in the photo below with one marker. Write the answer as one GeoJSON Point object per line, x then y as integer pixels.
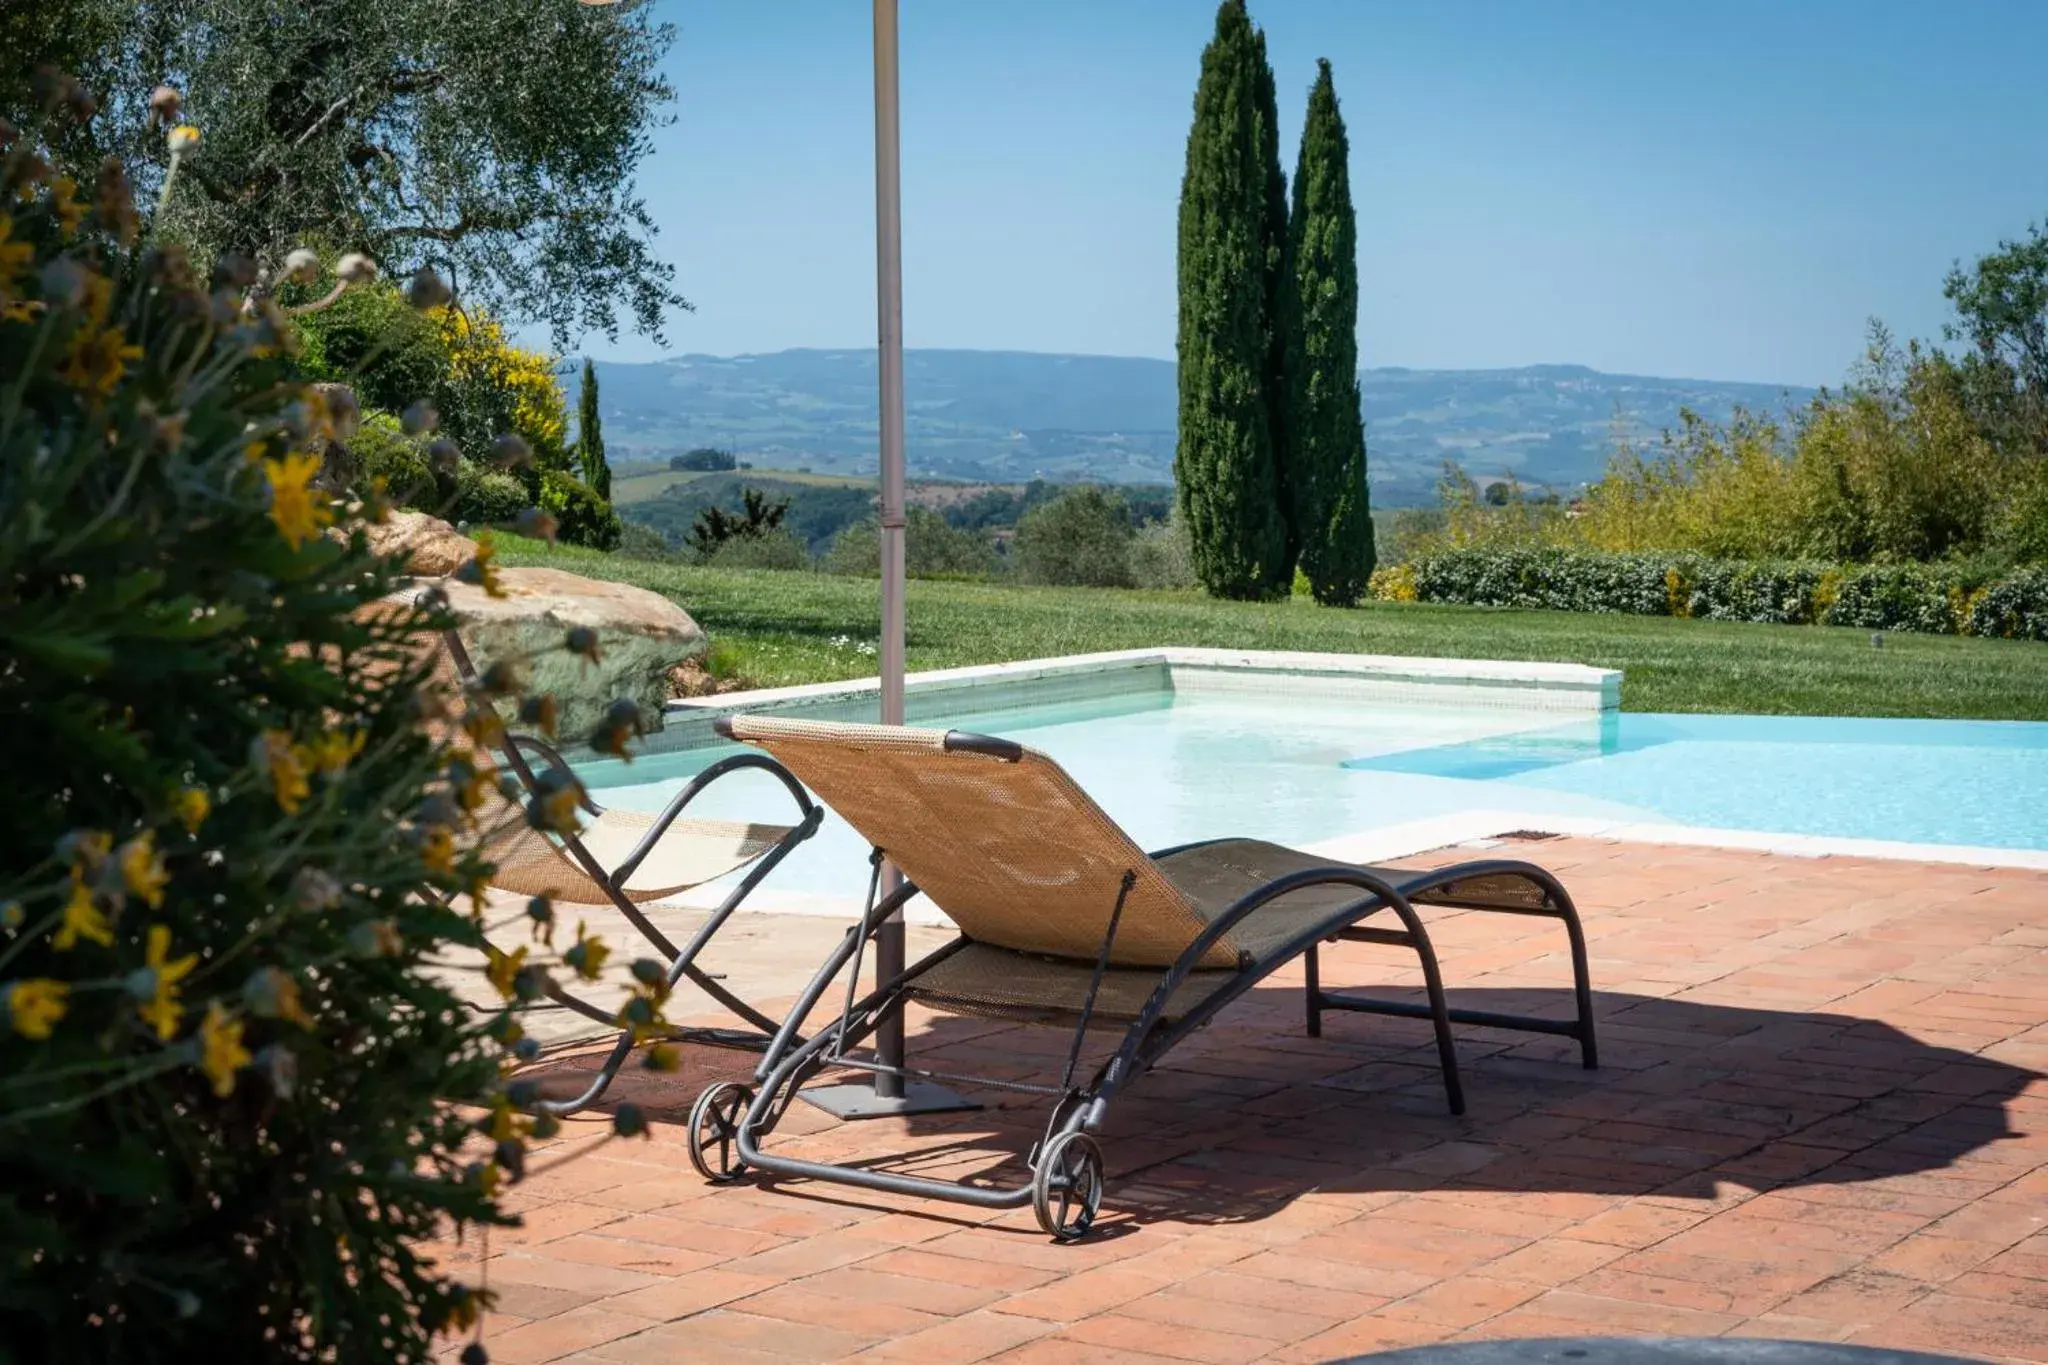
{"type": "Point", "coordinates": [621, 860]}
{"type": "Point", "coordinates": [1064, 921]}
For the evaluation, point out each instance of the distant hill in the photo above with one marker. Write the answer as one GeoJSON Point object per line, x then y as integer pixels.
{"type": "Point", "coordinates": [1012, 416]}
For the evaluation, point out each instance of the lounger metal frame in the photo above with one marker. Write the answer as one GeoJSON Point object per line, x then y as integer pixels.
{"type": "Point", "coordinates": [729, 1124]}
{"type": "Point", "coordinates": [682, 960]}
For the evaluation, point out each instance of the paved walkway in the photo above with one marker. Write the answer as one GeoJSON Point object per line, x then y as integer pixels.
{"type": "Point", "coordinates": [1820, 1115]}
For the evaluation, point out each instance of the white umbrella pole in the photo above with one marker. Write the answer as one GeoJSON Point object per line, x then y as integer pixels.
{"type": "Point", "coordinates": [889, 344]}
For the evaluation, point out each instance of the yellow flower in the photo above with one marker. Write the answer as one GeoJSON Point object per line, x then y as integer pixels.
{"type": "Point", "coordinates": [142, 868]}
{"type": "Point", "coordinates": [502, 968]}
{"type": "Point", "coordinates": [483, 569]}
{"type": "Point", "coordinates": [331, 751]}
{"type": "Point", "coordinates": [160, 1007]}
{"type": "Point", "coordinates": [192, 805]}
{"type": "Point", "coordinates": [97, 359]}
{"type": "Point", "coordinates": [35, 1005]}
{"type": "Point", "coordinates": [221, 1053]}
{"type": "Point", "coordinates": [16, 260]}
{"type": "Point", "coordinates": [286, 764]}
{"type": "Point", "coordinates": [437, 849]}
{"type": "Point", "coordinates": [183, 138]}
{"type": "Point", "coordinates": [64, 204]}
{"type": "Point", "coordinates": [82, 918]}
{"type": "Point", "coordinates": [587, 957]}
{"type": "Point", "coordinates": [274, 994]}
{"type": "Point", "coordinates": [296, 508]}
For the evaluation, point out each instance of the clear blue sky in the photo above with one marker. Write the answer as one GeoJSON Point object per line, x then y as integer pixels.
{"type": "Point", "coordinates": [1721, 191]}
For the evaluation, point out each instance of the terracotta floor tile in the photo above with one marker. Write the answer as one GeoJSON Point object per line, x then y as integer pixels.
{"type": "Point", "coordinates": [1821, 1117]}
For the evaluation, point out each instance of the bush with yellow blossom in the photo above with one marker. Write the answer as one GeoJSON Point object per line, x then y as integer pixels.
{"type": "Point", "coordinates": [242, 820]}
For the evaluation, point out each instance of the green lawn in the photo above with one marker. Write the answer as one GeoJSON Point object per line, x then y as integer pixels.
{"type": "Point", "coordinates": [786, 628]}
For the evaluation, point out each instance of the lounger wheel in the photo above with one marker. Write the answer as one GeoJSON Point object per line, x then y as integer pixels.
{"type": "Point", "coordinates": [1066, 1188]}
{"type": "Point", "coordinates": [715, 1131]}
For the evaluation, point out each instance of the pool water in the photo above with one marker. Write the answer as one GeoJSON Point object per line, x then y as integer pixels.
{"type": "Point", "coordinates": [1172, 769]}
{"type": "Point", "coordinates": [1981, 783]}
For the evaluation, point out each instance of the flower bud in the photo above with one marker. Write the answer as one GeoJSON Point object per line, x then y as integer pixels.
{"type": "Point", "coordinates": [355, 268]}
{"type": "Point", "coordinates": [302, 266]}
{"type": "Point", "coordinates": [165, 103]}
{"type": "Point", "coordinates": [426, 290]}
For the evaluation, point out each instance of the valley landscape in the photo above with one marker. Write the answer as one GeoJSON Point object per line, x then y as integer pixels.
{"type": "Point", "coordinates": [1009, 417]}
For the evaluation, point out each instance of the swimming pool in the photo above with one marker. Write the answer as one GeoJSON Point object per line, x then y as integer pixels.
{"type": "Point", "coordinates": [1303, 769]}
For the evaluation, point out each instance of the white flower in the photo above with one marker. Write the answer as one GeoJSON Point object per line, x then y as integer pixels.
{"type": "Point", "coordinates": [301, 266]}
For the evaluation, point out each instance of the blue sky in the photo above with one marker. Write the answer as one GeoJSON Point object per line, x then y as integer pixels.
{"type": "Point", "coordinates": [1722, 191]}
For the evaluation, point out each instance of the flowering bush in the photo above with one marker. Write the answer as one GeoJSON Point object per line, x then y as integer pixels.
{"type": "Point", "coordinates": [242, 817]}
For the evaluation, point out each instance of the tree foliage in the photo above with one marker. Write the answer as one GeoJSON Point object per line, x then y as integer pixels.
{"type": "Point", "coordinates": [590, 436]}
{"type": "Point", "coordinates": [1082, 538]}
{"type": "Point", "coordinates": [1325, 475]}
{"type": "Point", "coordinates": [1225, 464]}
{"type": "Point", "coordinates": [2001, 308]}
{"type": "Point", "coordinates": [757, 517]}
{"type": "Point", "coordinates": [495, 142]}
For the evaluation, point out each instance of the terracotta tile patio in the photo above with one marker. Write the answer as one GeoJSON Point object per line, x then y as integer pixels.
{"type": "Point", "coordinates": [1820, 1115]}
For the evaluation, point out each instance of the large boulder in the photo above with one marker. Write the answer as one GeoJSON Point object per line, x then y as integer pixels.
{"type": "Point", "coordinates": [641, 635]}
{"type": "Point", "coordinates": [431, 544]}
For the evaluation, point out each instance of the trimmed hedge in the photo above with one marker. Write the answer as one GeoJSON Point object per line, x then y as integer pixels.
{"type": "Point", "coordinates": [1931, 599]}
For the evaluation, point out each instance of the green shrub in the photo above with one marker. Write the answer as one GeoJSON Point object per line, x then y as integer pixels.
{"type": "Point", "coordinates": [2015, 607]}
{"type": "Point", "coordinates": [638, 540]}
{"type": "Point", "coordinates": [932, 548]}
{"type": "Point", "coordinates": [1162, 556]}
{"type": "Point", "coordinates": [382, 450]}
{"type": "Point", "coordinates": [485, 496]}
{"type": "Point", "coordinates": [1082, 538]}
{"type": "Point", "coordinates": [225, 1073]}
{"type": "Point", "coordinates": [776, 549]}
{"type": "Point", "coordinates": [242, 813]}
{"type": "Point", "coordinates": [1957, 597]}
{"type": "Point", "coordinates": [582, 517]}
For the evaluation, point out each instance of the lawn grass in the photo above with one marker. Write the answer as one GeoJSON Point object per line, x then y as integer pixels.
{"type": "Point", "coordinates": [804, 627]}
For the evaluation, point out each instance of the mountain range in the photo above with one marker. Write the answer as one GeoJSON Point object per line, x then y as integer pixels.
{"type": "Point", "coordinates": [1012, 416]}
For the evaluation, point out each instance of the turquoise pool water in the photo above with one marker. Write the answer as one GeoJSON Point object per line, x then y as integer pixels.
{"type": "Point", "coordinates": [1982, 783]}
{"type": "Point", "coordinates": [1177, 768]}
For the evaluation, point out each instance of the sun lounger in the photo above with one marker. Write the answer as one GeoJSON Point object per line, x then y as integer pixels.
{"type": "Point", "coordinates": [621, 860]}
{"type": "Point", "coordinates": [1064, 921]}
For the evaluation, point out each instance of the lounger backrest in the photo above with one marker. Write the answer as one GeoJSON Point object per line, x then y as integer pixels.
{"type": "Point", "coordinates": [1006, 844]}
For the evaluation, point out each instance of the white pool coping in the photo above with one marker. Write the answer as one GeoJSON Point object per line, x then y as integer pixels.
{"type": "Point", "coordinates": [1572, 689]}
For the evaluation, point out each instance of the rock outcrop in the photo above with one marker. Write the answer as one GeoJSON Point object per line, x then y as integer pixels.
{"type": "Point", "coordinates": [641, 636]}
{"type": "Point", "coordinates": [433, 546]}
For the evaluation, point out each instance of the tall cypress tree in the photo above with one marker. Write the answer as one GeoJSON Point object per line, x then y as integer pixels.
{"type": "Point", "coordinates": [1224, 465]}
{"type": "Point", "coordinates": [1329, 507]}
{"type": "Point", "coordinates": [590, 436]}
{"type": "Point", "coordinates": [1277, 285]}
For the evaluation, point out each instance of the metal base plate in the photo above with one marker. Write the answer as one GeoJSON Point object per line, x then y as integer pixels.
{"type": "Point", "coordinates": [858, 1100]}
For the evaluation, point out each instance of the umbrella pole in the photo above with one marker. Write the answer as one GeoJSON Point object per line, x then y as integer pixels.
{"type": "Point", "coordinates": [889, 1094]}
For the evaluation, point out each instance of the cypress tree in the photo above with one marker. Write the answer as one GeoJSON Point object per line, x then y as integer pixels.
{"type": "Point", "coordinates": [1224, 464]}
{"type": "Point", "coordinates": [1277, 286]}
{"type": "Point", "coordinates": [1328, 503]}
{"type": "Point", "coordinates": [590, 436]}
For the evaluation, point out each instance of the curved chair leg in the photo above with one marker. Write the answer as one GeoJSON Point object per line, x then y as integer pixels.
{"type": "Point", "coordinates": [1582, 983]}
{"type": "Point", "coordinates": [1439, 1007]}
